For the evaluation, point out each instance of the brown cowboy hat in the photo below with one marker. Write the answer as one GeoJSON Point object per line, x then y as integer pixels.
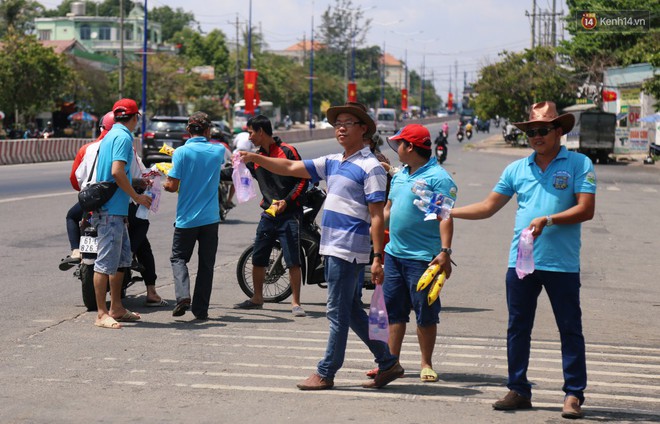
{"type": "Point", "coordinates": [547, 112]}
{"type": "Point", "coordinates": [356, 109]}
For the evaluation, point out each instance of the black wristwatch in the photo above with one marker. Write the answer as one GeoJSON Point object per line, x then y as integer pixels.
{"type": "Point", "coordinates": [378, 255]}
{"type": "Point", "coordinates": [447, 250]}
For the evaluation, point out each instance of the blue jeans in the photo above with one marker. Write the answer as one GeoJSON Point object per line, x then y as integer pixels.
{"type": "Point", "coordinates": [401, 295]}
{"type": "Point", "coordinates": [563, 290]}
{"type": "Point", "coordinates": [182, 248]}
{"type": "Point", "coordinates": [114, 246]}
{"type": "Point", "coordinates": [344, 311]}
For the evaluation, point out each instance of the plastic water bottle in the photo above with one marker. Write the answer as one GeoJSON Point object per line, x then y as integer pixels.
{"type": "Point", "coordinates": [382, 320]}
{"type": "Point", "coordinates": [143, 211]}
{"type": "Point", "coordinates": [373, 316]}
{"type": "Point", "coordinates": [525, 260]}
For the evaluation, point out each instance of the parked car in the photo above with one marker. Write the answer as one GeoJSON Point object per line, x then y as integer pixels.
{"type": "Point", "coordinates": [163, 129]}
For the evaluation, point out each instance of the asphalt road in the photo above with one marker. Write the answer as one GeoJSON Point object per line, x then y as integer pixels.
{"type": "Point", "coordinates": [56, 367]}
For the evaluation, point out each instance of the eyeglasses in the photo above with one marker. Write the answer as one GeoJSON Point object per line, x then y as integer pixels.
{"type": "Point", "coordinates": [540, 131]}
{"type": "Point", "coordinates": [347, 124]}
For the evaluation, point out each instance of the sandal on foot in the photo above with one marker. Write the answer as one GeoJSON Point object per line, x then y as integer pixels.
{"type": "Point", "coordinates": [129, 317]}
{"type": "Point", "coordinates": [372, 373]}
{"type": "Point", "coordinates": [156, 303]}
{"type": "Point", "coordinates": [108, 322]}
{"type": "Point", "coordinates": [428, 375]}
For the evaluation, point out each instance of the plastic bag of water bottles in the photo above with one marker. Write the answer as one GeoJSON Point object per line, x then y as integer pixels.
{"type": "Point", "coordinates": [379, 324]}
{"type": "Point", "coordinates": [243, 183]}
{"type": "Point", "coordinates": [432, 204]}
{"type": "Point", "coordinates": [525, 260]}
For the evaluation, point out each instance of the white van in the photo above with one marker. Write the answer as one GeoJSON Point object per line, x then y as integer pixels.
{"type": "Point", "coordinates": [386, 121]}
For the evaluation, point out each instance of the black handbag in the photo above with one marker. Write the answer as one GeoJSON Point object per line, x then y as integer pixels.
{"type": "Point", "coordinates": [95, 195]}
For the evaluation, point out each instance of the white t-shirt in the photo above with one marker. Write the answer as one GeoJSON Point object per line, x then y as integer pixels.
{"type": "Point", "coordinates": [82, 172]}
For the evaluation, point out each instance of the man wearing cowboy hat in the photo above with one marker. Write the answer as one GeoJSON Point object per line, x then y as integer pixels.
{"type": "Point", "coordinates": [356, 197]}
{"type": "Point", "coordinates": [556, 192]}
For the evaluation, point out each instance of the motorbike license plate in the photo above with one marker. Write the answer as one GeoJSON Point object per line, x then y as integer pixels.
{"type": "Point", "coordinates": [88, 244]}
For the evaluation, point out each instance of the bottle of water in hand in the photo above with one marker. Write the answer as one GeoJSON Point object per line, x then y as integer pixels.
{"type": "Point", "coordinates": [525, 260]}
{"type": "Point", "coordinates": [143, 211]}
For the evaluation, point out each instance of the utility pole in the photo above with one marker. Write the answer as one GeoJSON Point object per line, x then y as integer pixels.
{"type": "Point", "coordinates": [238, 66]}
{"type": "Point", "coordinates": [533, 26]}
{"type": "Point", "coordinates": [554, 23]}
{"type": "Point", "coordinates": [121, 49]}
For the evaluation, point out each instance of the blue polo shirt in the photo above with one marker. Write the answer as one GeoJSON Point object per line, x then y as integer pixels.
{"type": "Point", "coordinates": [546, 193]}
{"type": "Point", "coordinates": [353, 183]}
{"type": "Point", "coordinates": [410, 236]}
{"type": "Point", "coordinates": [117, 145]}
{"type": "Point", "coordinates": [197, 165]}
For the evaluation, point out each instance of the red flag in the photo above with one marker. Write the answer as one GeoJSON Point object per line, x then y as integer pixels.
{"type": "Point", "coordinates": [250, 93]}
{"type": "Point", "coordinates": [352, 92]}
{"type": "Point", "coordinates": [609, 96]}
{"type": "Point", "coordinates": [404, 99]}
{"type": "Point", "coordinates": [450, 101]}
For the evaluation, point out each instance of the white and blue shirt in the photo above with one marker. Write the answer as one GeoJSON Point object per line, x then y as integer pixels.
{"type": "Point", "coordinates": [546, 193]}
{"type": "Point", "coordinates": [353, 183]}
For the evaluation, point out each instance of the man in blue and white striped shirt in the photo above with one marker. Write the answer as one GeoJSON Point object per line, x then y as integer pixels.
{"type": "Point", "coordinates": [356, 196]}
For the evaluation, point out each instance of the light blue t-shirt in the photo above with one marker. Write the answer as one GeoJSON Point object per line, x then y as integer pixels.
{"type": "Point", "coordinates": [352, 183]}
{"type": "Point", "coordinates": [410, 236]}
{"type": "Point", "coordinates": [117, 145]}
{"type": "Point", "coordinates": [546, 193]}
{"type": "Point", "coordinates": [197, 165]}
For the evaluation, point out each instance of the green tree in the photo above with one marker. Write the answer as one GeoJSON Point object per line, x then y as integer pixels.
{"type": "Point", "coordinates": [590, 52]}
{"type": "Point", "coordinates": [343, 25]}
{"type": "Point", "coordinates": [509, 87]}
{"type": "Point", "coordinates": [19, 15]}
{"type": "Point", "coordinates": [172, 21]}
{"type": "Point", "coordinates": [31, 76]}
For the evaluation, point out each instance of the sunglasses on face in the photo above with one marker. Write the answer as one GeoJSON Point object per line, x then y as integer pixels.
{"type": "Point", "coordinates": [540, 131]}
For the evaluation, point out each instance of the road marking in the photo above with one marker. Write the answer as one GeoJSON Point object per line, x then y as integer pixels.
{"type": "Point", "coordinates": [36, 196]}
{"type": "Point", "coordinates": [612, 188]}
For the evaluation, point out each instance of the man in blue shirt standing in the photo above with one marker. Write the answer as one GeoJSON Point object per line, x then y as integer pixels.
{"type": "Point", "coordinates": [415, 244]}
{"type": "Point", "coordinates": [114, 160]}
{"type": "Point", "coordinates": [556, 192]}
{"type": "Point", "coordinates": [356, 196]}
{"type": "Point", "coordinates": [195, 174]}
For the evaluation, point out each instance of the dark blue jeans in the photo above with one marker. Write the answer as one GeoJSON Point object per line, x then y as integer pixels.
{"type": "Point", "coordinates": [182, 248]}
{"type": "Point", "coordinates": [344, 311]}
{"type": "Point", "coordinates": [563, 289]}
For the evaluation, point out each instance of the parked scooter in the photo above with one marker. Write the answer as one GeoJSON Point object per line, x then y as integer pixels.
{"type": "Point", "coordinates": [277, 286]}
{"type": "Point", "coordinates": [85, 269]}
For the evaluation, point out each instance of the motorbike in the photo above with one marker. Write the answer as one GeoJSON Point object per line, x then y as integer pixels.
{"type": "Point", "coordinates": [460, 135]}
{"type": "Point", "coordinates": [277, 286]}
{"type": "Point", "coordinates": [85, 269]}
{"type": "Point", "coordinates": [441, 148]}
{"type": "Point", "coordinates": [468, 134]}
{"type": "Point", "coordinates": [223, 198]}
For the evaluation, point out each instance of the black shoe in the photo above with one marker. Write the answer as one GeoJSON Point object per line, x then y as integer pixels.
{"type": "Point", "coordinates": [181, 307]}
{"type": "Point", "coordinates": [512, 401]}
{"type": "Point", "coordinates": [202, 317]}
{"type": "Point", "coordinates": [68, 263]}
{"type": "Point", "coordinates": [248, 304]}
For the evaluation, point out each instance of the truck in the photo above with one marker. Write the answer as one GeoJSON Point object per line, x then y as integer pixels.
{"type": "Point", "coordinates": [386, 120]}
{"type": "Point", "coordinates": [593, 133]}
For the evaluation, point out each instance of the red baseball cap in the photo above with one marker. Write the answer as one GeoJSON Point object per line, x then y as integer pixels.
{"type": "Point", "coordinates": [415, 134]}
{"type": "Point", "coordinates": [125, 107]}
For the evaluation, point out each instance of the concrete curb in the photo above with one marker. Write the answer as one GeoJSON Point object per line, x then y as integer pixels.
{"type": "Point", "coordinates": [34, 150]}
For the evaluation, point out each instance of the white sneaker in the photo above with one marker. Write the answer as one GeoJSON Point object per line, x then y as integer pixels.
{"type": "Point", "coordinates": [298, 311]}
{"type": "Point", "coordinates": [75, 254]}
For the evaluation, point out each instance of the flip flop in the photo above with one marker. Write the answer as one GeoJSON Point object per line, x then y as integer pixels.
{"type": "Point", "coordinates": [156, 303]}
{"type": "Point", "coordinates": [129, 317]}
{"type": "Point", "coordinates": [372, 373]}
{"type": "Point", "coordinates": [108, 322]}
{"type": "Point", "coordinates": [428, 375]}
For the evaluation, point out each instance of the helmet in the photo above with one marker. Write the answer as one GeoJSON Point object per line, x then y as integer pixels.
{"type": "Point", "coordinates": [215, 132]}
{"type": "Point", "coordinates": [107, 121]}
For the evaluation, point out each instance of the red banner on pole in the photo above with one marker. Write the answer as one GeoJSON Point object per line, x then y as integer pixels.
{"type": "Point", "coordinates": [352, 92]}
{"type": "Point", "coordinates": [250, 92]}
{"type": "Point", "coordinates": [450, 102]}
{"type": "Point", "coordinates": [404, 99]}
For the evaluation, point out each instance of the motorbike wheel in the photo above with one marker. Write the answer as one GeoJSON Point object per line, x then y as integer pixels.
{"type": "Point", "coordinates": [277, 286]}
{"type": "Point", "coordinates": [87, 280]}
